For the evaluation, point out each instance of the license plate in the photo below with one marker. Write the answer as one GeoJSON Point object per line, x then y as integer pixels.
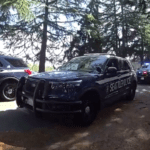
{"type": "Point", "coordinates": [142, 78]}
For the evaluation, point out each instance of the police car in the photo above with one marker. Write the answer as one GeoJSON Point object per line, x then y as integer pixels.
{"type": "Point", "coordinates": [80, 87]}
{"type": "Point", "coordinates": [11, 70]}
{"type": "Point", "coordinates": [143, 74]}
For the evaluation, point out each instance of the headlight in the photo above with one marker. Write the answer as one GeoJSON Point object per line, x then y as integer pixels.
{"type": "Point", "coordinates": [65, 85]}
{"type": "Point", "coordinates": [74, 83]}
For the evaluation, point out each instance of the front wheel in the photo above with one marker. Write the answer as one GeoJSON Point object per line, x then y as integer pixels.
{"type": "Point", "coordinates": [132, 92]}
{"type": "Point", "coordinates": [8, 91]}
{"type": "Point", "coordinates": [89, 113]}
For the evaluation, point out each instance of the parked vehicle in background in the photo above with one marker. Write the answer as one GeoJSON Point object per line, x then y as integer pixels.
{"type": "Point", "coordinates": [80, 87]}
{"type": "Point", "coordinates": [143, 74]}
{"type": "Point", "coordinates": [11, 70]}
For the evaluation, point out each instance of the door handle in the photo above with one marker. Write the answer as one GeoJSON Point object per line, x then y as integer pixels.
{"type": "Point", "coordinates": [1, 70]}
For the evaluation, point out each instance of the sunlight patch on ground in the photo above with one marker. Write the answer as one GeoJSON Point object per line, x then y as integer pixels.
{"type": "Point", "coordinates": [141, 134]}
{"type": "Point", "coordinates": [77, 137]}
{"type": "Point", "coordinates": [81, 145]}
{"type": "Point", "coordinates": [118, 110]}
{"type": "Point", "coordinates": [144, 90]}
{"type": "Point", "coordinates": [81, 135]}
{"type": "Point", "coordinates": [131, 140]}
{"type": "Point", "coordinates": [4, 146]}
{"type": "Point", "coordinates": [143, 116]}
{"type": "Point", "coordinates": [4, 106]}
{"type": "Point", "coordinates": [141, 92]}
{"type": "Point", "coordinates": [118, 120]}
{"type": "Point", "coordinates": [127, 132]}
{"type": "Point", "coordinates": [108, 124]}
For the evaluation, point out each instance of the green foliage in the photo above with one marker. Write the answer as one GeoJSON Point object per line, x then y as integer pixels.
{"type": "Point", "coordinates": [46, 33]}
{"type": "Point", "coordinates": [90, 17]}
{"type": "Point", "coordinates": [48, 68]}
{"type": "Point", "coordinates": [35, 67]}
{"type": "Point", "coordinates": [147, 32]}
{"type": "Point", "coordinates": [22, 6]}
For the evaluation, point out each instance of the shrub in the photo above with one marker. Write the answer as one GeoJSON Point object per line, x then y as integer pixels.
{"type": "Point", "coordinates": [35, 68]}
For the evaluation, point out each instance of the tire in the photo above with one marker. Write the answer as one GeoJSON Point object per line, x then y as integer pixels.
{"type": "Point", "coordinates": [132, 92]}
{"type": "Point", "coordinates": [139, 81]}
{"type": "Point", "coordinates": [89, 113]}
{"type": "Point", "coordinates": [19, 102]}
{"type": "Point", "coordinates": [8, 90]}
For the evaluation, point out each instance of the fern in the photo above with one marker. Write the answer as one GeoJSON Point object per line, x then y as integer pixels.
{"type": "Point", "coordinates": [23, 7]}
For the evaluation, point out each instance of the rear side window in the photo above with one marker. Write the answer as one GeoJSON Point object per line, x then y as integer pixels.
{"type": "Point", "coordinates": [16, 62]}
{"type": "Point", "coordinates": [125, 65]}
{"type": "Point", "coordinates": [146, 65]}
{"type": "Point", "coordinates": [1, 65]}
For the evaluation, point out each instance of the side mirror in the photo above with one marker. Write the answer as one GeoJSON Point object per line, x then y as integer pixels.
{"type": "Point", "coordinates": [112, 70]}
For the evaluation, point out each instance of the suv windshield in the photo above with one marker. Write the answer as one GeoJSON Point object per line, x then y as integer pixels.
{"type": "Point", "coordinates": [85, 63]}
{"type": "Point", "coordinates": [146, 65]}
{"type": "Point", "coordinates": [16, 62]}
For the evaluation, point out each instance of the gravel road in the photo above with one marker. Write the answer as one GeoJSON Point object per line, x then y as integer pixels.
{"type": "Point", "coordinates": [121, 126]}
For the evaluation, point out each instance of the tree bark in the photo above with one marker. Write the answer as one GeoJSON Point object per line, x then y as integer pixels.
{"type": "Point", "coordinates": [116, 43]}
{"type": "Point", "coordinates": [44, 41]}
{"type": "Point", "coordinates": [123, 40]}
{"type": "Point", "coordinates": [142, 50]}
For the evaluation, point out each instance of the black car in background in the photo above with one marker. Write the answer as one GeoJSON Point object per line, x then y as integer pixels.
{"type": "Point", "coordinates": [143, 74]}
{"type": "Point", "coordinates": [11, 70]}
{"type": "Point", "coordinates": [80, 87]}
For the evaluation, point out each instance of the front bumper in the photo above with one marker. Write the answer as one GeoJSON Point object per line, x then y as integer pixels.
{"type": "Point", "coordinates": [44, 104]}
{"type": "Point", "coordinates": [143, 78]}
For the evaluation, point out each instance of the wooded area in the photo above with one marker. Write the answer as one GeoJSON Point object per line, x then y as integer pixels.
{"type": "Point", "coordinates": [58, 30]}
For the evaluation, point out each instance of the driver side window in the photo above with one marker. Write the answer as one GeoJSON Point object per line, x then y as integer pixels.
{"type": "Point", "coordinates": [113, 63]}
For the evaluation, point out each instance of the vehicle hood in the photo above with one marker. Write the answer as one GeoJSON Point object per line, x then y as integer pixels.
{"type": "Point", "coordinates": [143, 69]}
{"type": "Point", "coordinates": [62, 75]}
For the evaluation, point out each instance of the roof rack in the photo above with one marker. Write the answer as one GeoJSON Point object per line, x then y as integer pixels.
{"type": "Point", "coordinates": [98, 54]}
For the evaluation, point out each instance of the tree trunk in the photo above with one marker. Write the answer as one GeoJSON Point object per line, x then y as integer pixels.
{"type": "Point", "coordinates": [142, 50]}
{"type": "Point", "coordinates": [44, 41]}
{"type": "Point", "coordinates": [143, 41]}
{"type": "Point", "coordinates": [116, 43]}
{"type": "Point", "coordinates": [123, 40]}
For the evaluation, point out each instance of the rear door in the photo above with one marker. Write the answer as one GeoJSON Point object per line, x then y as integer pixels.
{"type": "Point", "coordinates": [1, 70]}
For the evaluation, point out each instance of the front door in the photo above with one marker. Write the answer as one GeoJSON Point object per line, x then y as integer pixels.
{"type": "Point", "coordinates": [111, 82]}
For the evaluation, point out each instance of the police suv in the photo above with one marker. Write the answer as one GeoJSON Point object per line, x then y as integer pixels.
{"type": "Point", "coordinates": [11, 70]}
{"type": "Point", "coordinates": [143, 74]}
{"type": "Point", "coordinates": [80, 87]}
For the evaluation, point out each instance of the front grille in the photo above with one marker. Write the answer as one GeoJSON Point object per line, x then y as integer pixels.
{"type": "Point", "coordinates": [59, 107]}
{"type": "Point", "coordinates": [139, 73]}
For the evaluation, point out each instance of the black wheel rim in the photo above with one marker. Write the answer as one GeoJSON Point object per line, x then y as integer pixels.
{"type": "Point", "coordinates": [89, 113]}
{"type": "Point", "coordinates": [9, 91]}
{"type": "Point", "coordinates": [132, 93]}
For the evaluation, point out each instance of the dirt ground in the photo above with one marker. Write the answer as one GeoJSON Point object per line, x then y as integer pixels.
{"type": "Point", "coordinates": [121, 126]}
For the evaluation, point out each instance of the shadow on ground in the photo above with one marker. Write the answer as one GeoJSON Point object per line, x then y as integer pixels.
{"type": "Point", "coordinates": [21, 128]}
{"type": "Point", "coordinates": [122, 125]}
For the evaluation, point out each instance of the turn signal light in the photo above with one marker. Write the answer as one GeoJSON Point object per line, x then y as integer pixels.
{"type": "Point", "coordinates": [29, 72]}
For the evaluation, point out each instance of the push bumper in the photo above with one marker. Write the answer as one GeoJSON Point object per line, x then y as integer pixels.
{"type": "Point", "coordinates": [41, 104]}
